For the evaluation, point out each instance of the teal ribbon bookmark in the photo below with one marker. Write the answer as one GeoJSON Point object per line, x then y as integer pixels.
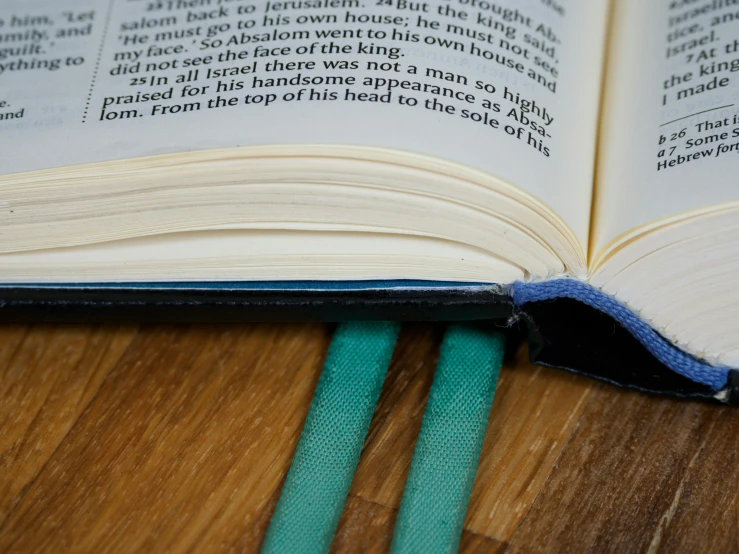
{"type": "Point", "coordinates": [326, 458]}
{"type": "Point", "coordinates": [445, 460]}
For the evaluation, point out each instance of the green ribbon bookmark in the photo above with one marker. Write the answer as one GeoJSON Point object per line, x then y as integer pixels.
{"type": "Point", "coordinates": [445, 460]}
{"type": "Point", "coordinates": [328, 451]}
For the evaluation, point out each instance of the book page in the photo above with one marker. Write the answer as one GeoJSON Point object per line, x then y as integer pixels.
{"type": "Point", "coordinates": [509, 87]}
{"type": "Point", "coordinates": [670, 136]}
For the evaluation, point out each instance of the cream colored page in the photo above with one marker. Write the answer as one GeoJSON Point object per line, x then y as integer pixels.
{"type": "Point", "coordinates": [510, 87]}
{"type": "Point", "coordinates": [671, 129]}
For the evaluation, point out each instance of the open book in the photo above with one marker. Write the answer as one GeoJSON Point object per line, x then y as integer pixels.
{"type": "Point", "coordinates": [580, 149]}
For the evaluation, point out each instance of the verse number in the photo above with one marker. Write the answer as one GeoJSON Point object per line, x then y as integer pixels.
{"type": "Point", "coordinates": [673, 136]}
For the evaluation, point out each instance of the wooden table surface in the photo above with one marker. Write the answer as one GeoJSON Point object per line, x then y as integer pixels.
{"type": "Point", "coordinates": [178, 438]}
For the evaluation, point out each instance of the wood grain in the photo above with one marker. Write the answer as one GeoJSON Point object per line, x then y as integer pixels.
{"type": "Point", "coordinates": [47, 378]}
{"type": "Point", "coordinates": [364, 527]}
{"type": "Point", "coordinates": [641, 474]}
{"type": "Point", "coordinates": [535, 411]}
{"type": "Point", "coordinates": [178, 439]}
{"type": "Point", "coordinates": [182, 447]}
